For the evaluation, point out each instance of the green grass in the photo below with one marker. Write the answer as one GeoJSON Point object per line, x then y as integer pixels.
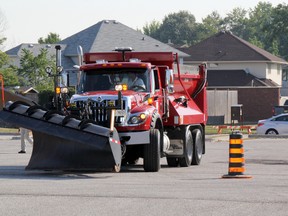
{"type": "Point", "coordinates": [9, 130]}
{"type": "Point", "coordinates": [213, 130]}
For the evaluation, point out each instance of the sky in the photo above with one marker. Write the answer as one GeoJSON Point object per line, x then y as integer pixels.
{"type": "Point", "coordinates": [28, 20]}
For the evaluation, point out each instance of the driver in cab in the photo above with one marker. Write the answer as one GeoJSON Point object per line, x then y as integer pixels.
{"type": "Point", "coordinates": [135, 82]}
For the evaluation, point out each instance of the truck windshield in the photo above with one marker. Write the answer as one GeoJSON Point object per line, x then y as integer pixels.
{"type": "Point", "coordinates": [106, 79]}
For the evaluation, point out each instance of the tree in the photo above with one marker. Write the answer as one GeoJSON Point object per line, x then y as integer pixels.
{"type": "Point", "coordinates": [258, 27]}
{"type": "Point", "coordinates": [152, 29]}
{"type": "Point", "coordinates": [33, 69]}
{"type": "Point", "coordinates": [213, 23]}
{"type": "Point", "coordinates": [236, 21]}
{"type": "Point", "coordinates": [210, 25]}
{"type": "Point", "coordinates": [177, 28]}
{"type": "Point", "coordinates": [52, 38]}
{"type": "Point", "coordinates": [9, 74]}
{"type": "Point", "coordinates": [278, 29]}
{"type": "Point", "coordinates": [10, 77]}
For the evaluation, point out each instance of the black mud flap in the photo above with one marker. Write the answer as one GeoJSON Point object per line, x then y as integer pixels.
{"type": "Point", "coordinates": [64, 142]}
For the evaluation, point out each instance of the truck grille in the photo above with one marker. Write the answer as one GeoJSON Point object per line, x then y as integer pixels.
{"type": "Point", "coordinates": [99, 112]}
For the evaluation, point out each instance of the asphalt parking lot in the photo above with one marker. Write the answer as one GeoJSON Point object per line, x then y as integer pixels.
{"type": "Point", "coordinates": [196, 190]}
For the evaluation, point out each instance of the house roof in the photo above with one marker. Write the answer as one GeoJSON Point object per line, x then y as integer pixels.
{"type": "Point", "coordinates": [25, 90]}
{"type": "Point", "coordinates": [107, 34]}
{"type": "Point", "coordinates": [104, 36]}
{"type": "Point", "coordinates": [34, 48]}
{"type": "Point", "coordinates": [236, 78]}
{"type": "Point", "coordinates": [224, 46]}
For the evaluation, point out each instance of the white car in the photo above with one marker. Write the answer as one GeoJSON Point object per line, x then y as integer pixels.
{"type": "Point", "coordinates": [275, 125]}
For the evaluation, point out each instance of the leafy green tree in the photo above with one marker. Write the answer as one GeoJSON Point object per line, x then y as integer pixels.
{"type": "Point", "coordinates": [10, 77]}
{"type": "Point", "coordinates": [236, 21]}
{"type": "Point", "coordinates": [213, 23]}
{"type": "Point", "coordinates": [152, 29]}
{"type": "Point", "coordinates": [9, 73]}
{"type": "Point", "coordinates": [210, 25]}
{"type": "Point", "coordinates": [258, 27]}
{"type": "Point", "coordinates": [3, 59]}
{"type": "Point", "coordinates": [52, 38]}
{"type": "Point", "coordinates": [178, 28]}
{"type": "Point", "coordinates": [264, 26]}
{"type": "Point", "coordinates": [279, 29]}
{"type": "Point", "coordinates": [33, 69]}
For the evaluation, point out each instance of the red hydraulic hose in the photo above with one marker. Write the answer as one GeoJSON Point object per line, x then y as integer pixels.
{"type": "Point", "coordinates": [178, 69]}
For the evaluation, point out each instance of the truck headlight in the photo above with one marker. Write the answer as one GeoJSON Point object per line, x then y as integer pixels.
{"type": "Point", "coordinates": [137, 118]}
{"type": "Point", "coordinates": [64, 90]}
{"type": "Point", "coordinates": [134, 120]}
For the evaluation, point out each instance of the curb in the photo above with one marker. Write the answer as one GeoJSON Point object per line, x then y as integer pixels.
{"type": "Point", "coordinates": [9, 137]}
{"type": "Point", "coordinates": [268, 136]}
{"type": "Point", "coordinates": [225, 137]}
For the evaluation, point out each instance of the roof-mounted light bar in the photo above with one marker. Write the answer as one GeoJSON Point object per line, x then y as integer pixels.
{"type": "Point", "coordinates": [123, 49]}
{"type": "Point", "coordinates": [101, 61]}
{"type": "Point", "coordinates": [134, 60]}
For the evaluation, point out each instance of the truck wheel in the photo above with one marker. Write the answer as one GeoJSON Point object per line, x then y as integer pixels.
{"type": "Point", "coordinates": [152, 152]}
{"type": "Point", "coordinates": [198, 146]}
{"type": "Point", "coordinates": [172, 162]}
{"type": "Point", "coordinates": [188, 150]}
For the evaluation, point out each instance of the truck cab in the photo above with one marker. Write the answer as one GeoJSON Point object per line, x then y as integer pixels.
{"type": "Point", "coordinates": [99, 84]}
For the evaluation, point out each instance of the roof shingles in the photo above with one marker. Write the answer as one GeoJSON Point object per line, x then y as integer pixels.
{"type": "Point", "coordinates": [224, 46]}
{"type": "Point", "coordinates": [236, 78]}
{"type": "Point", "coordinates": [108, 34]}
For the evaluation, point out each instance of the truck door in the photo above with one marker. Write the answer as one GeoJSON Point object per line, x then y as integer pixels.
{"type": "Point", "coordinates": [158, 95]}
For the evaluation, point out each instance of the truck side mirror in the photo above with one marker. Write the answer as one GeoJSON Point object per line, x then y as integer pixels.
{"type": "Point", "coordinates": [169, 81]}
{"type": "Point", "coordinates": [64, 78]}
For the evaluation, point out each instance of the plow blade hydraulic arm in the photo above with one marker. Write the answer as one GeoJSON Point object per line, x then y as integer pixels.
{"type": "Point", "coordinates": [65, 142]}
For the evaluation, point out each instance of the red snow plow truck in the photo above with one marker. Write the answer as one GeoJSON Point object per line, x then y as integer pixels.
{"type": "Point", "coordinates": [128, 105]}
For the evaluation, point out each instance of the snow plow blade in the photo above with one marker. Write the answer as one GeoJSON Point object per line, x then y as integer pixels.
{"type": "Point", "coordinates": [65, 142]}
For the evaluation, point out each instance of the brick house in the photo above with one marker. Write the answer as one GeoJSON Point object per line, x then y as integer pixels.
{"type": "Point", "coordinates": [235, 64]}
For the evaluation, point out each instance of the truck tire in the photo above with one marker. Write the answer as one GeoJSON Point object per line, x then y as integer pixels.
{"type": "Point", "coordinates": [152, 152]}
{"type": "Point", "coordinates": [172, 161]}
{"type": "Point", "coordinates": [188, 150]}
{"type": "Point", "coordinates": [198, 146]}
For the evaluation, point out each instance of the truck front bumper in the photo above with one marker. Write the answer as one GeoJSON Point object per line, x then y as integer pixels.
{"type": "Point", "coordinates": [135, 138]}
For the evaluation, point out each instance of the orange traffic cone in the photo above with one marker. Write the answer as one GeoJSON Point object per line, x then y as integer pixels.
{"type": "Point", "coordinates": [236, 157]}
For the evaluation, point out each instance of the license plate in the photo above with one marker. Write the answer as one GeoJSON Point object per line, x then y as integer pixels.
{"type": "Point", "coordinates": [120, 113]}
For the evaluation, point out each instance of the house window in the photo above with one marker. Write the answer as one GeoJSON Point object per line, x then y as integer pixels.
{"type": "Point", "coordinates": [269, 68]}
{"type": "Point", "coordinates": [278, 69]}
{"type": "Point", "coordinates": [285, 75]}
